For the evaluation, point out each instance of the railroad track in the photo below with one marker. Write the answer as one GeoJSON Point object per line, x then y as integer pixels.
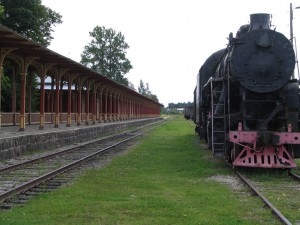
{"type": "Point", "coordinates": [295, 176]}
{"type": "Point", "coordinates": [283, 192]}
{"type": "Point", "coordinates": [28, 175]}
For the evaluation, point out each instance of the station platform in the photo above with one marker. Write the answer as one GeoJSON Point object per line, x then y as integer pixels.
{"type": "Point", "coordinates": [14, 143]}
{"type": "Point", "coordinates": [13, 131]}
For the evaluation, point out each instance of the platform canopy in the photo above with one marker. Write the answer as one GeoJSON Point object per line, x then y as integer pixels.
{"type": "Point", "coordinates": [21, 46]}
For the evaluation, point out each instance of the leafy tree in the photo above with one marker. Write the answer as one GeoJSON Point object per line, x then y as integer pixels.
{"type": "Point", "coordinates": [30, 18]}
{"type": "Point", "coordinates": [106, 54]}
{"type": "Point", "coordinates": [144, 89]}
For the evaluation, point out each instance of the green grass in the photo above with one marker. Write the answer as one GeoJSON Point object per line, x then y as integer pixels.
{"type": "Point", "coordinates": [162, 180]}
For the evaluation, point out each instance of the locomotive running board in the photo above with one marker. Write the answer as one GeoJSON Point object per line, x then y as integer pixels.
{"type": "Point", "coordinates": [266, 158]}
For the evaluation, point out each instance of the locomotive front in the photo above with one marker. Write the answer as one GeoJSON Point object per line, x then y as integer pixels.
{"type": "Point", "coordinates": [266, 130]}
{"type": "Point", "coordinates": [250, 104]}
{"type": "Point", "coordinates": [262, 60]}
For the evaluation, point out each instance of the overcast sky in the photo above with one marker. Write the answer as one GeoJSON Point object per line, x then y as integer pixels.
{"type": "Point", "coordinates": [169, 39]}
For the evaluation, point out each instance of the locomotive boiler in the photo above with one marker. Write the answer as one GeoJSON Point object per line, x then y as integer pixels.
{"type": "Point", "coordinates": [247, 100]}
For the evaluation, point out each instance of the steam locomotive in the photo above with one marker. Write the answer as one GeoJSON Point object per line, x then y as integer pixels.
{"type": "Point", "coordinates": [246, 100]}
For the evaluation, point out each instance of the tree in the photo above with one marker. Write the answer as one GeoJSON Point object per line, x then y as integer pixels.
{"type": "Point", "coordinates": [142, 88]}
{"type": "Point", "coordinates": [106, 54]}
{"type": "Point", "coordinates": [145, 90]}
{"type": "Point", "coordinates": [30, 18]}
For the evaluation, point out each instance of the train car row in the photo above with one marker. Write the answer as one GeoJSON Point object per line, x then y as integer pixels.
{"type": "Point", "coordinates": [246, 101]}
{"type": "Point", "coordinates": [188, 113]}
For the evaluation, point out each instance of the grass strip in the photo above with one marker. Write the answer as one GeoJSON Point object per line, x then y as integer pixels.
{"type": "Point", "coordinates": [168, 178]}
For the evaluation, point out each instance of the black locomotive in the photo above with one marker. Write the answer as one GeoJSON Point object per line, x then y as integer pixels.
{"type": "Point", "coordinates": [188, 112]}
{"type": "Point", "coordinates": [247, 100]}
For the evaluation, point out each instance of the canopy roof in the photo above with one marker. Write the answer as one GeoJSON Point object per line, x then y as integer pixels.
{"type": "Point", "coordinates": [24, 47]}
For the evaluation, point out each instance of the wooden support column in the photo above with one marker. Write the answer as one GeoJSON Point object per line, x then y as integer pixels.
{"type": "Point", "coordinates": [100, 106]}
{"type": "Point", "coordinates": [42, 102]}
{"type": "Point", "coordinates": [79, 103]}
{"type": "Point", "coordinates": [134, 109]}
{"type": "Point", "coordinates": [57, 86]}
{"type": "Point", "coordinates": [29, 81]}
{"type": "Point", "coordinates": [14, 95]}
{"type": "Point", "coordinates": [69, 119]}
{"type": "Point", "coordinates": [87, 104]}
{"type": "Point", "coordinates": [60, 101]}
{"type": "Point", "coordinates": [110, 107]}
{"type": "Point", "coordinates": [138, 109]}
{"type": "Point", "coordinates": [52, 99]}
{"type": "Point", "coordinates": [105, 107]}
{"type": "Point", "coordinates": [94, 105]}
{"type": "Point", "coordinates": [115, 107]}
{"type": "Point", "coordinates": [22, 96]}
{"type": "Point", "coordinates": [126, 108]}
{"type": "Point", "coordinates": [123, 108]}
{"type": "Point", "coordinates": [118, 107]}
{"type": "Point", "coordinates": [130, 108]}
{"type": "Point", "coordinates": [142, 110]}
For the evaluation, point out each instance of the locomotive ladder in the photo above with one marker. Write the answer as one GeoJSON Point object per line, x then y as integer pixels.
{"type": "Point", "coordinates": [218, 121]}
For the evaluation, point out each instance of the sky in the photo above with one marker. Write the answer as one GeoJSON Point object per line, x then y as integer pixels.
{"type": "Point", "coordinates": [168, 40]}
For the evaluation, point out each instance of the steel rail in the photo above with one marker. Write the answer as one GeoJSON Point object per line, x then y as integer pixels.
{"type": "Point", "coordinates": [295, 176]}
{"type": "Point", "coordinates": [35, 182]}
{"type": "Point", "coordinates": [264, 199]}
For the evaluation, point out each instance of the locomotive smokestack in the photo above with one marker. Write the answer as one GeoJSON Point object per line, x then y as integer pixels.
{"type": "Point", "coordinates": [259, 21]}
